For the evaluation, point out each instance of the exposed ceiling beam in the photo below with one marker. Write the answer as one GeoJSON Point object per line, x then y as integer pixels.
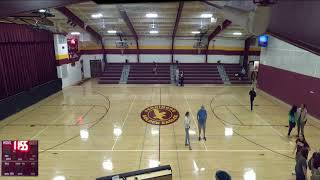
{"type": "Point", "coordinates": [211, 4]}
{"type": "Point", "coordinates": [176, 24]}
{"type": "Point", "coordinates": [12, 7]}
{"type": "Point", "coordinates": [126, 19]}
{"type": "Point", "coordinates": [218, 29]}
{"type": "Point", "coordinates": [75, 19]}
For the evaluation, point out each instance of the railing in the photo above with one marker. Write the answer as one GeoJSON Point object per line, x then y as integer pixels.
{"type": "Point", "coordinates": [156, 173]}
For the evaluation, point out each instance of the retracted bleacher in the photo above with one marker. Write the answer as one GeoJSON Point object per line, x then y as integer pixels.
{"type": "Point", "coordinates": [156, 173]}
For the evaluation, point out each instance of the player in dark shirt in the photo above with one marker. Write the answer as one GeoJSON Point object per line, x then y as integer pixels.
{"type": "Point", "coordinates": [300, 144]}
{"type": "Point", "coordinates": [252, 95]}
{"type": "Point", "coordinates": [301, 164]}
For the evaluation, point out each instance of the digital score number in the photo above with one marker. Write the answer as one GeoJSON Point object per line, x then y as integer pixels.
{"type": "Point", "coordinates": [21, 146]}
{"type": "Point", "coordinates": [19, 158]}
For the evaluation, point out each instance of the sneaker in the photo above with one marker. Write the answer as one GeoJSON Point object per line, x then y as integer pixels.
{"type": "Point", "coordinates": [199, 138]}
{"type": "Point", "coordinates": [190, 148]}
{"type": "Point", "coordinates": [205, 138]}
{"type": "Point", "coordinates": [293, 173]}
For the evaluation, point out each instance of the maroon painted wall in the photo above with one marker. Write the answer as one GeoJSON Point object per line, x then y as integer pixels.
{"type": "Point", "coordinates": [290, 87]}
{"type": "Point", "coordinates": [27, 58]}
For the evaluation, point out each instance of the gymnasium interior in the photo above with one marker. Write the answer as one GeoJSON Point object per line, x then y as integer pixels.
{"type": "Point", "coordinates": [93, 89]}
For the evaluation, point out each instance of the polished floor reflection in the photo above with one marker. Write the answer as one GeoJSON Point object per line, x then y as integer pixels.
{"type": "Point", "coordinates": [93, 130]}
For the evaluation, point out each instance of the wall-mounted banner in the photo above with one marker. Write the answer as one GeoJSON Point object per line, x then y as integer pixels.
{"type": "Point", "coordinates": [160, 115]}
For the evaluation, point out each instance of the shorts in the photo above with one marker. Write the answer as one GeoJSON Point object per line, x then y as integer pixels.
{"type": "Point", "coordinates": [202, 124]}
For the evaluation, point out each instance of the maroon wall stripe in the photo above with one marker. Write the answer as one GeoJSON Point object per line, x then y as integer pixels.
{"type": "Point", "coordinates": [168, 51]}
{"type": "Point", "coordinates": [291, 87]}
{"type": "Point", "coordinates": [65, 61]}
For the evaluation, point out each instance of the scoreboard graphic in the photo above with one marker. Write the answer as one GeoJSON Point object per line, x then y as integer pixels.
{"type": "Point", "coordinates": [19, 158]}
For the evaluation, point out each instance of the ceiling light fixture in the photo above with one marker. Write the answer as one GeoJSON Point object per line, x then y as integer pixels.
{"type": "Point", "coordinates": [112, 31]}
{"type": "Point", "coordinates": [206, 15]}
{"type": "Point", "coordinates": [41, 10]}
{"type": "Point", "coordinates": [75, 33]}
{"type": "Point", "coordinates": [151, 15]}
{"type": "Point", "coordinates": [96, 16]}
{"type": "Point", "coordinates": [213, 20]}
{"type": "Point", "coordinates": [237, 33]}
{"type": "Point", "coordinates": [195, 32]}
{"type": "Point", "coordinates": [154, 32]}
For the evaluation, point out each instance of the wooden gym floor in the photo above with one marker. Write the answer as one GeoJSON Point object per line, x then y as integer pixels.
{"type": "Point", "coordinates": [95, 130]}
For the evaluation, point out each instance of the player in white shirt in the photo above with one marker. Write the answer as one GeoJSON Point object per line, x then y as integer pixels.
{"type": "Point", "coordinates": [187, 122]}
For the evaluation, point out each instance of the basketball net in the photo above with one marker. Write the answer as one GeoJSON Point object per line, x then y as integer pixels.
{"type": "Point", "coordinates": [122, 50]}
{"type": "Point", "coordinates": [199, 50]}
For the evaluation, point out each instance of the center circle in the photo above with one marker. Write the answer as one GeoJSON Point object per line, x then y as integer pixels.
{"type": "Point", "coordinates": [160, 115]}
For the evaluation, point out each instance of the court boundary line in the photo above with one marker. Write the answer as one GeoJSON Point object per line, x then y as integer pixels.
{"type": "Point", "coordinates": [125, 119]}
{"type": "Point", "coordinates": [166, 150]}
{"type": "Point", "coordinates": [145, 131]}
{"type": "Point", "coordinates": [222, 121]}
{"type": "Point", "coordinates": [95, 123]}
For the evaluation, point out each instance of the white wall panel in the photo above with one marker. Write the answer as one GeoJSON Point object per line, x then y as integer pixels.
{"type": "Point", "coordinates": [119, 58]}
{"type": "Point", "coordinates": [149, 58]}
{"type": "Point", "coordinates": [190, 58]}
{"type": "Point", "coordinates": [70, 74]}
{"type": "Point", "coordinates": [223, 59]}
{"type": "Point", "coordinates": [285, 56]}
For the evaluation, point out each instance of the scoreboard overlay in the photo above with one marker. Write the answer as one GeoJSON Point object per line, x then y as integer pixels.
{"type": "Point", "coordinates": [19, 158]}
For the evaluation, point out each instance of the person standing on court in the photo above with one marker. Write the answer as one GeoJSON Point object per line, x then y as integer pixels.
{"type": "Point", "coordinates": [292, 118]}
{"type": "Point", "coordinates": [202, 118]}
{"type": "Point", "coordinates": [177, 77]}
{"type": "Point", "coordinates": [253, 95]}
{"type": "Point", "coordinates": [301, 165]}
{"type": "Point", "coordinates": [181, 79]}
{"type": "Point", "coordinates": [301, 143]}
{"type": "Point", "coordinates": [302, 119]}
{"type": "Point", "coordinates": [187, 123]}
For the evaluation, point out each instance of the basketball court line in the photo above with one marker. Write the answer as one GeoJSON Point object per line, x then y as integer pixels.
{"type": "Point", "coordinates": [145, 131]}
{"type": "Point", "coordinates": [175, 140]}
{"type": "Point", "coordinates": [91, 126]}
{"type": "Point", "coordinates": [41, 131]}
{"type": "Point", "coordinates": [276, 131]}
{"type": "Point", "coordinates": [262, 146]}
{"type": "Point", "coordinates": [125, 119]}
{"type": "Point", "coordinates": [247, 107]}
{"type": "Point", "coordinates": [166, 150]}
{"type": "Point", "coordinates": [194, 121]}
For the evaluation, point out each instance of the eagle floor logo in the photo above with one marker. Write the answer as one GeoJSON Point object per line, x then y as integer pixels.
{"type": "Point", "coordinates": [160, 115]}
